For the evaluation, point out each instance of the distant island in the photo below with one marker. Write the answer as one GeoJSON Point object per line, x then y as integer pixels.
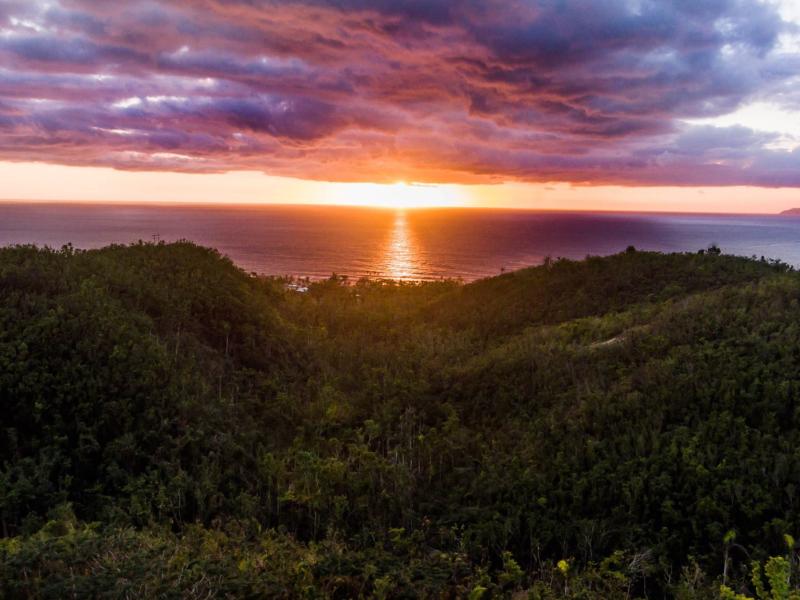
{"type": "Point", "coordinates": [791, 211]}
{"type": "Point", "coordinates": [617, 427]}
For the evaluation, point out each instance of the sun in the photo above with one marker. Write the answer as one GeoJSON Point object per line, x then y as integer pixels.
{"type": "Point", "coordinates": [398, 195]}
{"type": "Point", "coordinates": [412, 195]}
{"type": "Point", "coordinates": [403, 195]}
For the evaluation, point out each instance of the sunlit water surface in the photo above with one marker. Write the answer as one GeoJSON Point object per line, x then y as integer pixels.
{"type": "Point", "coordinates": [316, 241]}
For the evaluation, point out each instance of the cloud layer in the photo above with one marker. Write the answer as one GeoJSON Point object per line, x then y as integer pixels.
{"type": "Point", "coordinates": [382, 90]}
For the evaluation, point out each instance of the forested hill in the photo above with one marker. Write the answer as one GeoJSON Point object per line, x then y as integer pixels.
{"type": "Point", "coordinates": [616, 427]}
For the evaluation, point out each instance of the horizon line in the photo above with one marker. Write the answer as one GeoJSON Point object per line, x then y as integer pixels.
{"type": "Point", "coordinates": [262, 204]}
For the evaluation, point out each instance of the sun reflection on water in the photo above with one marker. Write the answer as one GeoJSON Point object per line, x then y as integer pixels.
{"type": "Point", "coordinates": [400, 252]}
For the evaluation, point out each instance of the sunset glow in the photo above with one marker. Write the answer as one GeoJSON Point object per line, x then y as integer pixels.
{"type": "Point", "coordinates": [399, 104]}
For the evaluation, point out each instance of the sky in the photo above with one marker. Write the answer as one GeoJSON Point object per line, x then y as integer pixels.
{"type": "Point", "coordinates": [686, 105]}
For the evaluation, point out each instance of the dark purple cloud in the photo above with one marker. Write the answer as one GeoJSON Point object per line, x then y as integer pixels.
{"type": "Point", "coordinates": [380, 90]}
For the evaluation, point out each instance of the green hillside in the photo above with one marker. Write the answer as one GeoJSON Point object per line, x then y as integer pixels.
{"type": "Point", "coordinates": [617, 427]}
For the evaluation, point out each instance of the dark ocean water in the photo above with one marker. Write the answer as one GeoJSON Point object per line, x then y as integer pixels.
{"type": "Point", "coordinates": [412, 244]}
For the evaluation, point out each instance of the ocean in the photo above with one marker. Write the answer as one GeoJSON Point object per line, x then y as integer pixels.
{"type": "Point", "coordinates": [410, 244]}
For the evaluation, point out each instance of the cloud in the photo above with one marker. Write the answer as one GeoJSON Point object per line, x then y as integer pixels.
{"type": "Point", "coordinates": [433, 91]}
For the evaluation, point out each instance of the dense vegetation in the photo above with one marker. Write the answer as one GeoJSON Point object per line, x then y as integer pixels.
{"type": "Point", "coordinates": [617, 427]}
